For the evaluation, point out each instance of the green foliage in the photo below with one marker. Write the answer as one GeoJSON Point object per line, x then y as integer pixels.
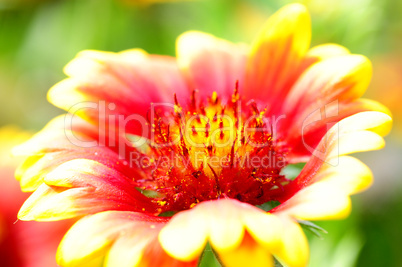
{"type": "Point", "coordinates": [313, 228]}
{"type": "Point", "coordinates": [267, 206]}
{"type": "Point", "coordinates": [208, 258]}
{"type": "Point", "coordinates": [291, 171]}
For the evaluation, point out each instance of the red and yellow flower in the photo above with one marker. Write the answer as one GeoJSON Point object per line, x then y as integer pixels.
{"type": "Point", "coordinates": [162, 155]}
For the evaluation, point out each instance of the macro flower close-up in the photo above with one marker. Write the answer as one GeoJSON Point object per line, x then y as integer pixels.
{"type": "Point", "coordinates": [158, 157]}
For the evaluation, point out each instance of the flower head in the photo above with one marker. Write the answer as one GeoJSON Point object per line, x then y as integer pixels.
{"type": "Point", "coordinates": [168, 154]}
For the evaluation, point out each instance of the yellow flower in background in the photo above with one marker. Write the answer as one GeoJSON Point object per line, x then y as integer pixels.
{"type": "Point", "coordinates": [22, 244]}
{"type": "Point", "coordinates": [387, 75]}
{"type": "Point", "coordinates": [163, 155]}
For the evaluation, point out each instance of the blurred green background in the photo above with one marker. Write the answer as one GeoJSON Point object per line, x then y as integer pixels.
{"type": "Point", "coordinates": [38, 38]}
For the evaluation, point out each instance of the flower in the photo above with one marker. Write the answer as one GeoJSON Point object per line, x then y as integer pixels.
{"type": "Point", "coordinates": [163, 155]}
{"type": "Point", "coordinates": [22, 244]}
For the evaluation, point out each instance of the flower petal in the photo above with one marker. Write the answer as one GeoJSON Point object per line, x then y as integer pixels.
{"type": "Point", "coordinates": [326, 93]}
{"type": "Point", "coordinates": [357, 133]}
{"type": "Point", "coordinates": [211, 64]}
{"type": "Point", "coordinates": [314, 55]}
{"type": "Point", "coordinates": [322, 189]}
{"type": "Point", "coordinates": [342, 78]}
{"type": "Point", "coordinates": [350, 174]}
{"type": "Point", "coordinates": [319, 201]}
{"type": "Point", "coordinates": [294, 250]}
{"type": "Point", "coordinates": [256, 225]}
{"type": "Point", "coordinates": [316, 125]}
{"type": "Point", "coordinates": [115, 238]}
{"type": "Point", "coordinates": [117, 89]}
{"type": "Point", "coordinates": [65, 139]}
{"type": "Point", "coordinates": [218, 221]}
{"type": "Point", "coordinates": [277, 54]}
{"type": "Point", "coordinates": [80, 187]}
{"type": "Point", "coordinates": [249, 250]}
{"type": "Point", "coordinates": [325, 51]}
{"type": "Point", "coordinates": [229, 225]}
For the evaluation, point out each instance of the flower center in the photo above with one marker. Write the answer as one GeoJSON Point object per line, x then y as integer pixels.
{"type": "Point", "coordinates": [211, 150]}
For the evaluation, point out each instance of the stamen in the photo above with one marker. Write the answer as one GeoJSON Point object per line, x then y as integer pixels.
{"type": "Point", "coordinates": [199, 168]}
{"type": "Point", "coordinates": [218, 188]}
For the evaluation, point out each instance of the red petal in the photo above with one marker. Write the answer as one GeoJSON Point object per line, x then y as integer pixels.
{"type": "Point", "coordinates": [211, 64]}
{"type": "Point", "coordinates": [80, 187]}
{"type": "Point", "coordinates": [120, 87]}
{"type": "Point", "coordinates": [57, 144]}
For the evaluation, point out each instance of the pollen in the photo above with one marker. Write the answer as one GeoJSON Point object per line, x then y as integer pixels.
{"type": "Point", "coordinates": [205, 150]}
